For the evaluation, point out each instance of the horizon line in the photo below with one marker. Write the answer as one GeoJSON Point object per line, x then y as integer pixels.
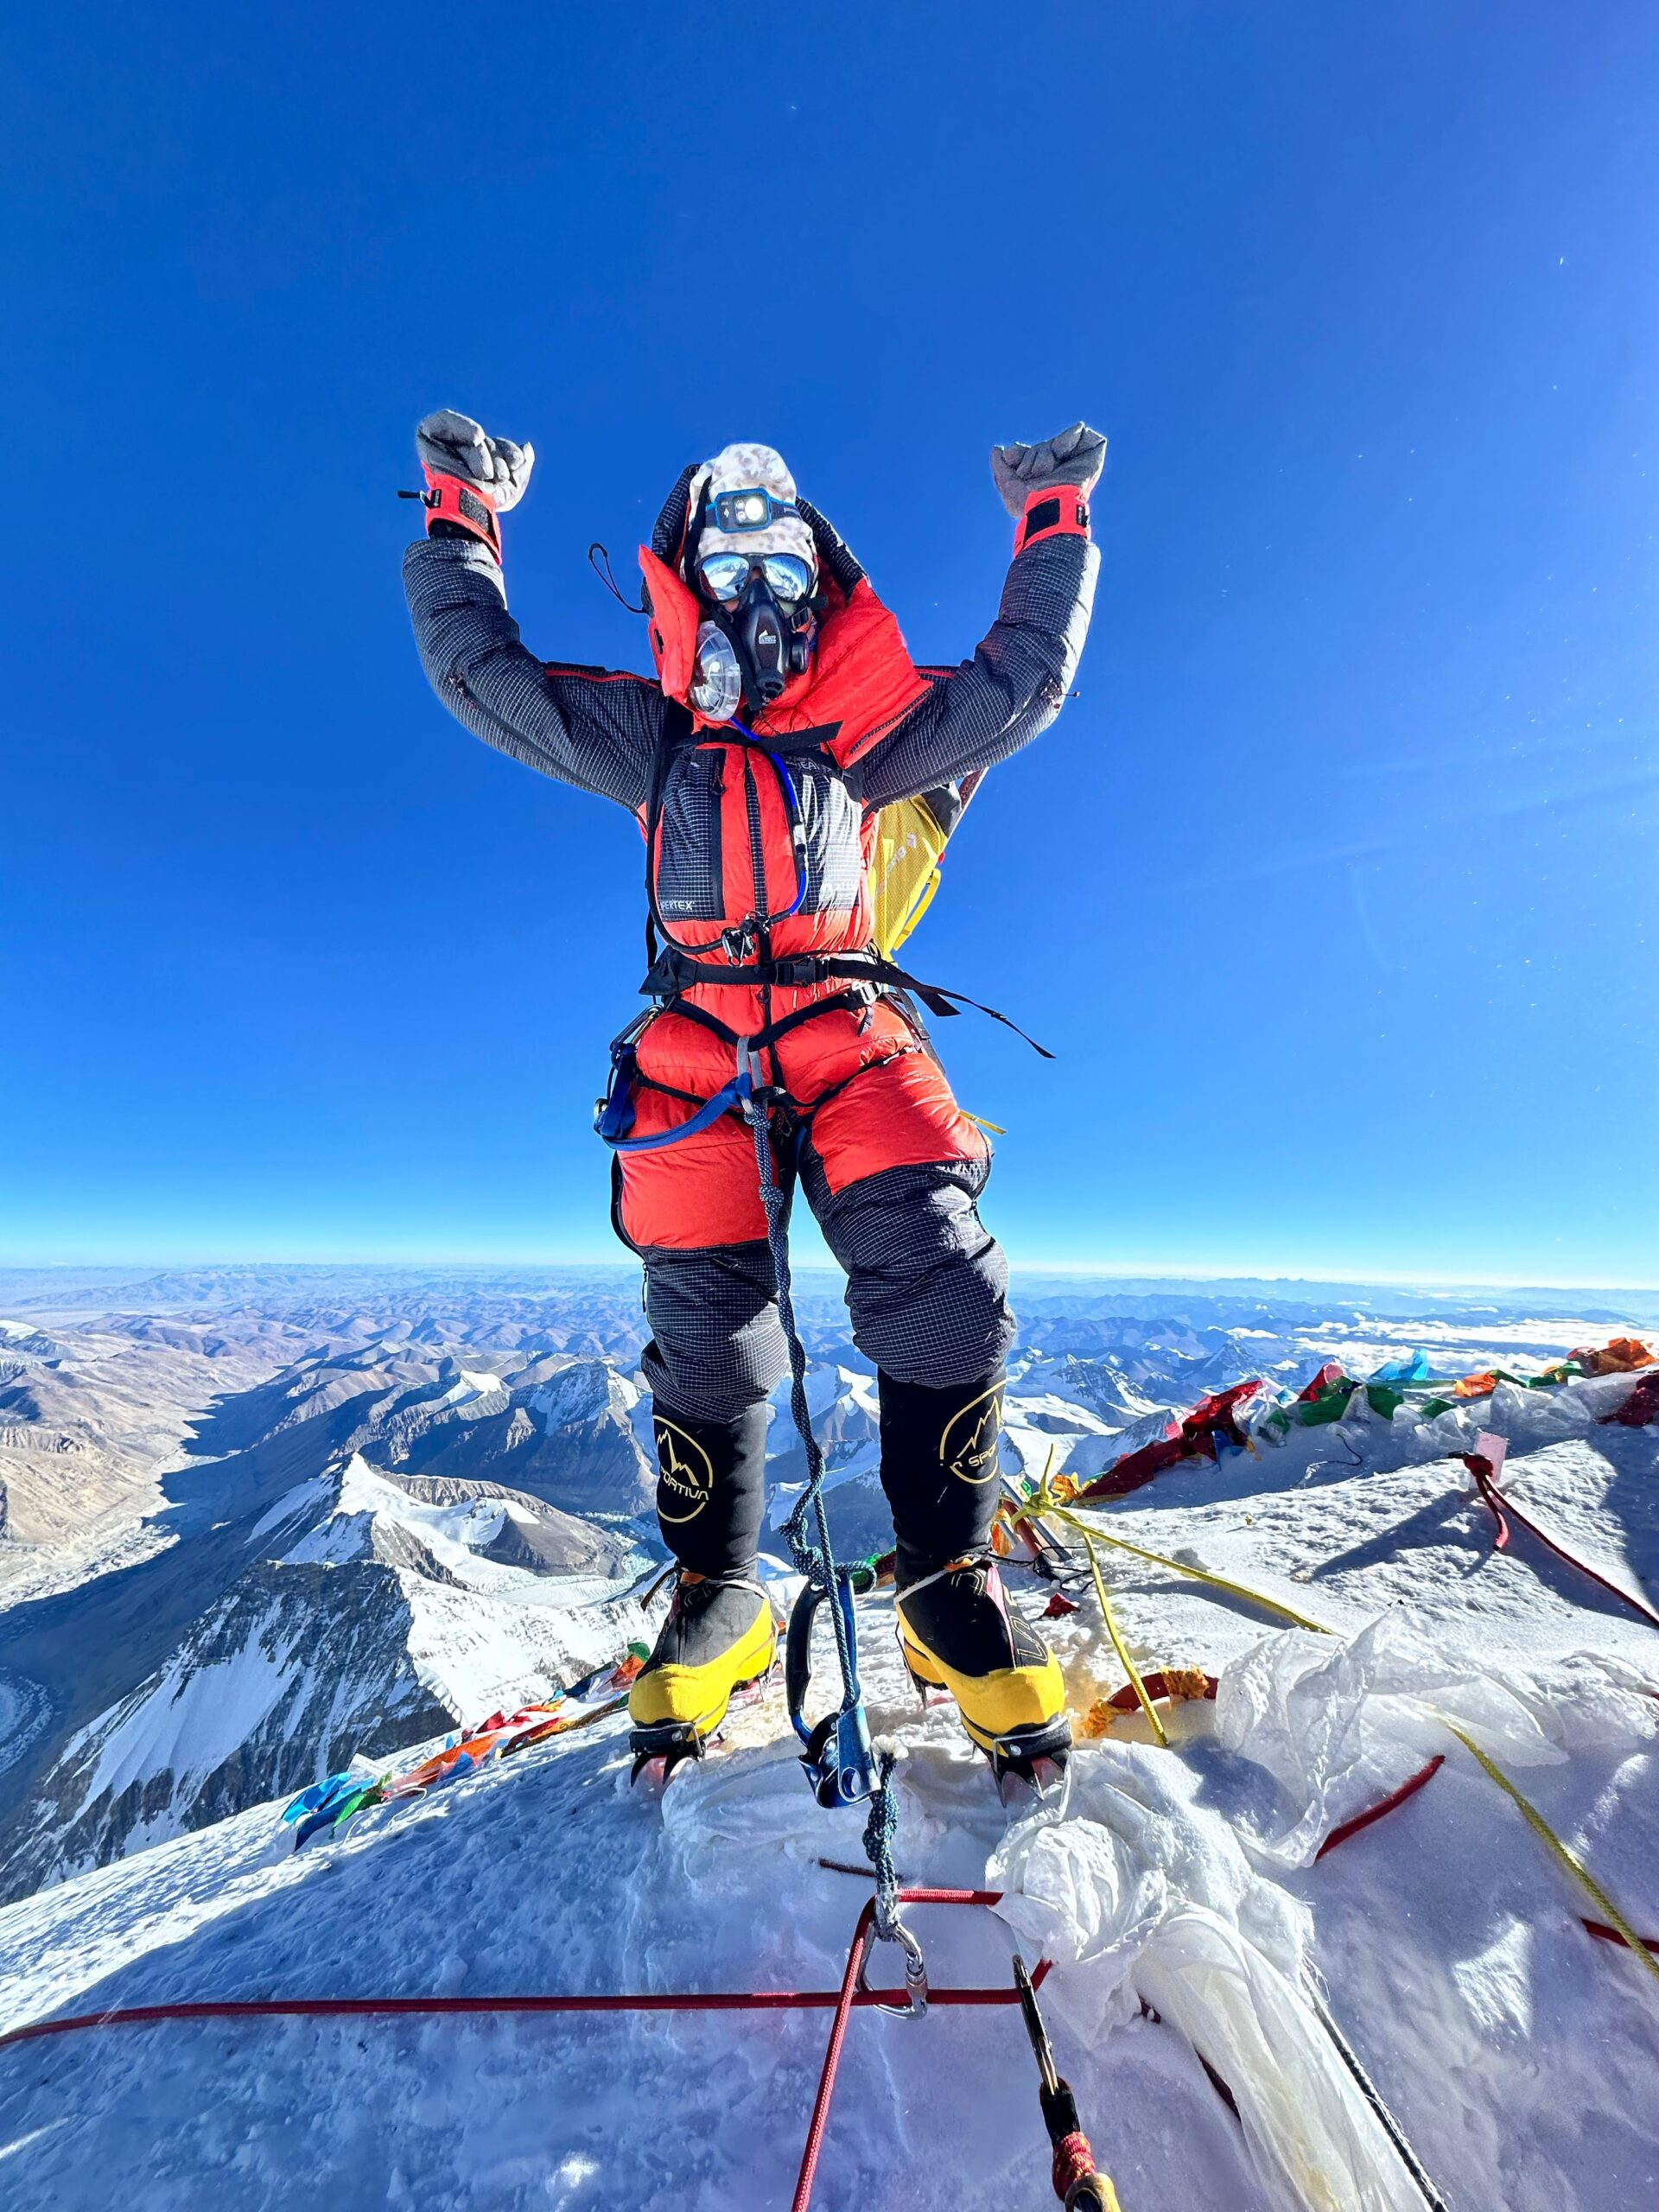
{"type": "Point", "coordinates": [1430, 1280]}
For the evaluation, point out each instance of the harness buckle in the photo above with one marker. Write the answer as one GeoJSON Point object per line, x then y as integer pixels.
{"type": "Point", "coordinates": [751, 1086]}
{"type": "Point", "coordinates": [799, 974]}
{"type": "Point", "coordinates": [757, 1098]}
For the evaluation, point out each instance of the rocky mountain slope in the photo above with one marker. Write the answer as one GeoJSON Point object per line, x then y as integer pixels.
{"type": "Point", "coordinates": [90, 1416]}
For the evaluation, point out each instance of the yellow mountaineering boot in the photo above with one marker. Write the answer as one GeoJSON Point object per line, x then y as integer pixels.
{"type": "Point", "coordinates": [958, 1633]}
{"type": "Point", "coordinates": [719, 1635]}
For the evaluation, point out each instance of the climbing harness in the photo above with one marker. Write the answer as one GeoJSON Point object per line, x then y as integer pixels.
{"type": "Point", "coordinates": [673, 971]}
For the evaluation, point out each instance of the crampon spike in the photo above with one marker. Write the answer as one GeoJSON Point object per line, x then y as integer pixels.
{"type": "Point", "coordinates": [1044, 1784]}
{"type": "Point", "coordinates": [658, 1751]}
{"type": "Point", "coordinates": [1039, 1766]}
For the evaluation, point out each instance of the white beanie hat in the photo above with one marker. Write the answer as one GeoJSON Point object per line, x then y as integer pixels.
{"type": "Point", "coordinates": [750, 469]}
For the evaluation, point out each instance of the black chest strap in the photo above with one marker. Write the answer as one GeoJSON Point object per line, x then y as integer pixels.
{"type": "Point", "coordinates": [674, 971]}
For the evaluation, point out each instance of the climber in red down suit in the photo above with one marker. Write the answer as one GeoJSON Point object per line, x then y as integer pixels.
{"type": "Point", "coordinates": [784, 714]}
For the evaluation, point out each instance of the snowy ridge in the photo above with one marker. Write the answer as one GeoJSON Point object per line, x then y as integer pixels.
{"type": "Point", "coordinates": [1518, 2052]}
{"type": "Point", "coordinates": [365, 1618]}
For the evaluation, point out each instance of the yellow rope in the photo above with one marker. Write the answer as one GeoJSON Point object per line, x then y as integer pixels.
{"type": "Point", "coordinates": [1045, 1502]}
{"type": "Point", "coordinates": [1118, 1644]}
{"type": "Point", "coordinates": [1106, 1612]}
{"type": "Point", "coordinates": [1547, 1835]}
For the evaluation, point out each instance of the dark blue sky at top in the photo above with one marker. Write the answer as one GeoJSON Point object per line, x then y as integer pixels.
{"type": "Point", "coordinates": [1336, 886]}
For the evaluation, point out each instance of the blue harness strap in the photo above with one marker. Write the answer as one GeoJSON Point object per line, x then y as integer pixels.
{"type": "Point", "coordinates": [615, 1112]}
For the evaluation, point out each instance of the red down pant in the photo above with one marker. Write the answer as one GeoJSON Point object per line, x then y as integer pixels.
{"type": "Point", "coordinates": [892, 1170]}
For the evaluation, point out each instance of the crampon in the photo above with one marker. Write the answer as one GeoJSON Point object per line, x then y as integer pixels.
{"type": "Point", "coordinates": [660, 1749]}
{"type": "Point", "coordinates": [1032, 1764]}
{"type": "Point", "coordinates": [659, 1752]}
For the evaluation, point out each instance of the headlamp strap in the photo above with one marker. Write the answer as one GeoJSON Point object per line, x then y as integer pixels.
{"type": "Point", "coordinates": [1054, 511]}
{"type": "Point", "coordinates": [452, 499]}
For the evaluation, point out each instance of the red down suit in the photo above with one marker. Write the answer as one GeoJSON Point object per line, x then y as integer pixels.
{"type": "Point", "coordinates": [758, 856]}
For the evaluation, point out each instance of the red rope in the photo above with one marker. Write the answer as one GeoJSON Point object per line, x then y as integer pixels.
{"type": "Point", "coordinates": [1341, 1833]}
{"type": "Point", "coordinates": [1606, 1935]}
{"type": "Point", "coordinates": [850, 1994]}
{"type": "Point", "coordinates": [845, 2001]}
{"type": "Point", "coordinates": [1073, 2162]}
{"type": "Point", "coordinates": [1157, 1686]}
{"type": "Point", "coordinates": [328, 2008]}
{"type": "Point", "coordinates": [848, 1997]}
{"type": "Point", "coordinates": [1481, 1468]}
{"type": "Point", "coordinates": [325, 2008]}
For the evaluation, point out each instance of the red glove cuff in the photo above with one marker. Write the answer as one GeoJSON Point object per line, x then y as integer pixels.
{"type": "Point", "coordinates": [452, 499]}
{"type": "Point", "coordinates": [1056, 510]}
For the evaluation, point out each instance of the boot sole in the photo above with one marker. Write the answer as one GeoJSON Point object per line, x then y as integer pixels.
{"type": "Point", "coordinates": [658, 1750]}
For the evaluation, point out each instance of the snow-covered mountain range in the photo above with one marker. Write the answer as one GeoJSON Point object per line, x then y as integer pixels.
{"type": "Point", "coordinates": [305, 1516]}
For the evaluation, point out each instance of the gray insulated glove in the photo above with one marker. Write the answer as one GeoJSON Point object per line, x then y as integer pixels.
{"type": "Point", "coordinates": [1074, 456]}
{"type": "Point", "coordinates": [454, 445]}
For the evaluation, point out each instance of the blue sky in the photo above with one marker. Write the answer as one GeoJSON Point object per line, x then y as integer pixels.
{"type": "Point", "coordinates": [1336, 888]}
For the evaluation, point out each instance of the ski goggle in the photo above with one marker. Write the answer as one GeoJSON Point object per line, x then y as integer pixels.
{"type": "Point", "coordinates": [725, 575]}
{"type": "Point", "coordinates": [749, 510]}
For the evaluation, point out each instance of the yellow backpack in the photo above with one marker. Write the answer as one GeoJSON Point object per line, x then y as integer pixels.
{"type": "Point", "coordinates": [910, 837]}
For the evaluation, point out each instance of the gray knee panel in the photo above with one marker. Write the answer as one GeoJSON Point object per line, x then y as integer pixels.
{"type": "Point", "coordinates": [717, 1346]}
{"type": "Point", "coordinates": [927, 1285]}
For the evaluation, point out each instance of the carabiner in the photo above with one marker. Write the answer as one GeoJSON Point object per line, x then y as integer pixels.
{"type": "Point", "coordinates": [916, 1992]}
{"type": "Point", "coordinates": [838, 1756]}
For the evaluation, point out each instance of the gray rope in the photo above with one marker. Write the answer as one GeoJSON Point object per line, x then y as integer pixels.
{"type": "Point", "coordinates": [816, 1560]}
{"type": "Point", "coordinates": [880, 1834]}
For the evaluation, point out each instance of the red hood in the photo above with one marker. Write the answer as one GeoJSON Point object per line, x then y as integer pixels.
{"type": "Point", "coordinates": [860, 684]}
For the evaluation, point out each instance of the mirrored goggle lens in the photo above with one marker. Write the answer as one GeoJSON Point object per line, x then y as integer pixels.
{"type": "Point", "coordinates": [787, 573]}
{"type": "Point", "coordinates": [725, 574]}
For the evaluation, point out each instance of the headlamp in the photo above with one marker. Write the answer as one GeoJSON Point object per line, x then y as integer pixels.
{"type": "Point", "coordinates": [749, 510]}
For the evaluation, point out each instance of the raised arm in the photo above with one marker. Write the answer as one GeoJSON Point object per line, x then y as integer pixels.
{"type": "Point", "coordinates": [587, 726]}
{"type": "Point", "coordinates": [1011, 690]}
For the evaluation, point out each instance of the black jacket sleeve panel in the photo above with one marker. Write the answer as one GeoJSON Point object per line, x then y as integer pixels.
{"type": "Point", "coordinates": [1011, 690]}
{"type": "Point", "coordinates": [598, 731]}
